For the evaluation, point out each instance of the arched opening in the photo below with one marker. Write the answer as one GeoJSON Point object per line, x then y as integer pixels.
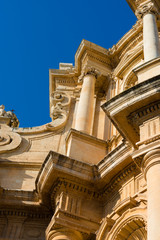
{"type": "Point", "coordinates": [134, 229]}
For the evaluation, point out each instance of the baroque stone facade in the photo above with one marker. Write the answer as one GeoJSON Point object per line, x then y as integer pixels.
{"type": "Point", "coordinates": [93, 172]}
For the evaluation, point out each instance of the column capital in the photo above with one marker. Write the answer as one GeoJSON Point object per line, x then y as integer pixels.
{"type": "Point", "coordinates": [150, 159]}
{"type": "Point", "coordinates": [89, 71]}
{"type": "Point", "coordinates": [146, 8]}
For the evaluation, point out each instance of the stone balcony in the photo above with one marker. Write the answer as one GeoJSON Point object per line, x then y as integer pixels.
{"type": "Point", "coordinates": [131, 108]}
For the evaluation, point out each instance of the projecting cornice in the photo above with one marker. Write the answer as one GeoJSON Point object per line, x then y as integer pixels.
{"type": "Point", "coordinates": [59, 171]}
{"type": "Point", "coordinates": [124, 106]}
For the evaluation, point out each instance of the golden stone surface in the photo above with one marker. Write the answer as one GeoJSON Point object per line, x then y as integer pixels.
{"type": "Point", "coordinates": [93, 172]}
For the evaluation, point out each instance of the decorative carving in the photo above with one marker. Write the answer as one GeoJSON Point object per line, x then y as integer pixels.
{"type": "Point", "coordinates": [143, 114]}
{"type": "Point", "coordinates": [9, 141]}
{"type": "Point", "coordinates": [116, 180]}
{"type": "Point", "coordinates": [13, 119]}
{"type": "Point", "coordinates": [92, 71]}
{"type": "Point", "coordinates": [130, 81]}
{"type": "Point", "coordinates": [144, 9]}
{"type": "Point", "coordinates": [4, 139]}
{"type": "Point", "coordinates": [70, 186]}
{"type": "Point", "coordinates": [60, 103]}
{"type": "Point", "coordinates": [131, 228]}
{"type": "Point", "coordinates": [88, 70]}
{"type": "Point", "coordinates": [113, 49]}
{"type": "Point", "coordinates": [138, 161]}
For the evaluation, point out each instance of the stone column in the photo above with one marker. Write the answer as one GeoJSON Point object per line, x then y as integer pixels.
{"type": "Point", "coordinates": [85, 111]}
{"type": "Point", "coordinates": [64, 234]}
{"type": "Point", "coordinates": [151, 168]}
{"type": "Point", "coordinates": [150, 31]}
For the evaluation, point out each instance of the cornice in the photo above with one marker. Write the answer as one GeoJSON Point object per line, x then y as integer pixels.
{"type": "Point", "coordinates": [143, 114]}
{"type": "Point", "coordinates": [95, 51]}
{"type": "Point", "coordinates": [120, 106]}
{"type": "Point", "coordinates": [87, 191]}
{"type": "Point", "coordinates": [60, 173]}
{"type": "Point", "coordinates": [86, 136]}
{"type": "Point", "coordinates": [20, 165]}
{"type": "Point", "coordinates": [117, 159]}
{"type": "Point", "coordinates": [129, 60]}
{"type": "Point", "coordinates": [56, 165]}
{"type": "Point", "coordinates": [134, 35]}
{"type": "Point", "coordinates": [115, 182]}
{"type": "Point", "coordinates": [27, 201]}
{"type": "Point", "coordinates": [31, 213]}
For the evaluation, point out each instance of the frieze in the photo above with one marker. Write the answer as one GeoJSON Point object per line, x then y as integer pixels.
{"type": "Point", "coordinates": [138, 161]}
{"type": "Point", "coordinates": [124, 174]}
{"type": "Point", "coordinates": [143, 114]}
{"type": "Point", "coordinates": [78, 188]}
{"type": "Point", "coordinates": [30, 213]}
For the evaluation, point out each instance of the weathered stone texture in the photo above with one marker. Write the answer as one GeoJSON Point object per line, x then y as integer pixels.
{"type": "Point", "coordinates": [93, 172]}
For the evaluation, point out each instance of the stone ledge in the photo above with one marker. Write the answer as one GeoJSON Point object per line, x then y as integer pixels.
{"type": "Point", "coordinates": [120, 107]}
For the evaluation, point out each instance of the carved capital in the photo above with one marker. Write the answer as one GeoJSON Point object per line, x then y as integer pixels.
{"type": "Point", "coordinates": [146, 8]}
{"type": "Point", "coordinates": [89, 71]}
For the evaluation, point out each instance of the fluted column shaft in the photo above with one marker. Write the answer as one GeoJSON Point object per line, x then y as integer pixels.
{"type": "Point", "coordinates": [85, 111]}
{"type": "Point", "coordinates": [151, 167]}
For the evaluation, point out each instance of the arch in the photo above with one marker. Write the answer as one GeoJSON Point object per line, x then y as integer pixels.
{"type": "Point", "coordinates": [130, 226]}
{"type": "Point", "coordinates": [134, 229]}
{"type": "Point", "coordinates": [130, 81]}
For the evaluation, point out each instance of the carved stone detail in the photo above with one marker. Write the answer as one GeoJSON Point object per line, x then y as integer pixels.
{"type": "Point", "coordinates": [9, 141]}
{"type": "Point", "coordinates": [60, 103]}
{"type": "Point", "coordinates": [89, 70]}
{"type": "Point", "coordinates": [13, 121]}
{"type": "Point", "coordinates": [145, 9]}
{"type": "Point", "coordinates": [135, 226]}
{"type": "Point", "coordinates": [143, 114]}
{"type": "Point", "coordinates": [116, 180]}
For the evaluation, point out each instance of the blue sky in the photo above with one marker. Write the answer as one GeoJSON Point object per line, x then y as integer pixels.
{"type": "Point", "coordinates": [38, 34]}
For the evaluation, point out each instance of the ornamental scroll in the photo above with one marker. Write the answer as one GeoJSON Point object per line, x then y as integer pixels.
{"type": "Point", "coordinates": [59, 111]}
